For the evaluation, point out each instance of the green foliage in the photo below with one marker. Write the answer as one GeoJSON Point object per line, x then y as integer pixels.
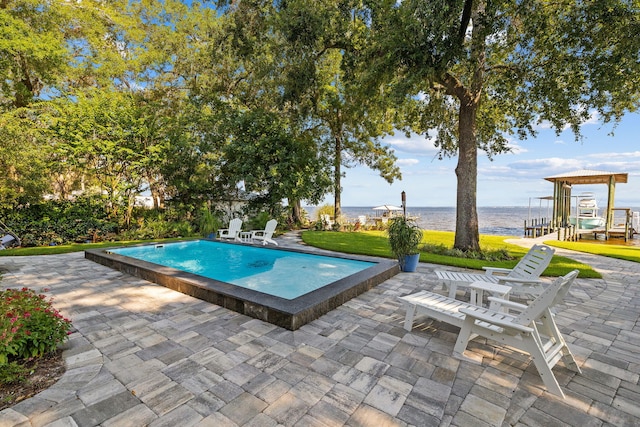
{"type": "Point", "coordinates": [60, 221]}
{"type": "Point", "coordinates": [257, 222]}
{"type": "Point", "coordinates": [12, 373]}
{"type": "Point", "coordinates": [486, 255]}
{"type": "Point", "coordinates": [158, 226]}
{"type": "Point", "coordinates": [273, 159]}
{"type": "Point", "coordinates": [208, 222]}
{"type": "Point", "coordinates": [325, 209]}
{"type": "Point", "coordinates": [29, 325]}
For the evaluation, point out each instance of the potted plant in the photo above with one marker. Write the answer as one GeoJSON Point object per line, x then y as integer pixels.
{"type": "Point", "coordinates": [404, 238]}
{"type": "Point", "coordinates": [208, 223]}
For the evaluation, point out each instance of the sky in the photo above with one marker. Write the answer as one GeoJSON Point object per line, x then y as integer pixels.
{"type": "Point", "coordinates": [511, 179]}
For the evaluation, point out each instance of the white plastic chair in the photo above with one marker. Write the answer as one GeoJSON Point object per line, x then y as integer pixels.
{"type": "Point", "coordinates": [231, 233]}
{"type": "Point", "coordinates": [266, 235]}
{"type": "Point", "coordinates": [532, 330]}
{"type": "Point", "coordinates": [523, 278]}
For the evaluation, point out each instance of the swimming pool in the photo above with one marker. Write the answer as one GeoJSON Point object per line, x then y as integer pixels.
{"type": "Point", "coordinates": [285, 287]}
{"type": "Point", "coordinates": [283, 274]}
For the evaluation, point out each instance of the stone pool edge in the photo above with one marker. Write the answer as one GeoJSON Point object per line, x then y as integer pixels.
{"type": "Point", "coordinates": [289, 314]}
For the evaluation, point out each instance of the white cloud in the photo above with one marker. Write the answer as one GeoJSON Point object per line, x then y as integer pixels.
{"type": "Point", "coordinates": [415, 144]}
{"type": "Point", "coordinates": [551, 163]}
{"type": "Point", "coordinates": [625, 156]}
{"type": "Point", "coordinates": [407, 162]}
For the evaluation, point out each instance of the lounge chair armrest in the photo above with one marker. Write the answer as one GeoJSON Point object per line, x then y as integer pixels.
{"type": "Point", "coordinates": [519, 280]}
{"type": "Point", "coordinates": [490, 270]}
{"type": "Point", "coordinates": [490, 317]}
{"type": "Point", "coordinates": [257, 233]}
{"type": "Point", "coordinates": [503, 303]}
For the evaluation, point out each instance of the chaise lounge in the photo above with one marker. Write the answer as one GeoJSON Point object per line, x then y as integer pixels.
{"type": "Point", "coordinates": [523, 278]}
{"type": "Point", "coordinates": [529, 328]}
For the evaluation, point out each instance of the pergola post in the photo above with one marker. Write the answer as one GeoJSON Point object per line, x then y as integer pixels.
{"type": "Point", "coordinates": [610, 198]}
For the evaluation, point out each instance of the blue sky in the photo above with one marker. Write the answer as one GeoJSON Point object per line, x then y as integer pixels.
{"type": "Point", "coordinates": [511, 178]}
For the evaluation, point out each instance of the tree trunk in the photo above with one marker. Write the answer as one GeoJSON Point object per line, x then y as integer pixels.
{"type": "Point", "coordinates": [467, 236]}
{"type": "Point", "coordinates": [337, 176]}
{"type": "Point", "coordinates": [157, 193]}
{"type": "Point", "coordinates": [296, 210]}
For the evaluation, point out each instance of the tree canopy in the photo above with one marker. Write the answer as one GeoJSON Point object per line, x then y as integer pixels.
{"type": "Point", "coordinates": [186, 100]}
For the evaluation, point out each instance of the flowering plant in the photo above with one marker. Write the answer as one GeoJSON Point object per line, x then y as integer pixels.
{"type": "Point", "coordinates": [29, 325]}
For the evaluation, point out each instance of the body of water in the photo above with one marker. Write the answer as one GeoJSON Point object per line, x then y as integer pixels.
{"type": "Point", "coordinates": [500, 221]}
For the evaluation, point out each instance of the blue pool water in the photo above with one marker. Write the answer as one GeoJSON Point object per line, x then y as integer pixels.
{"type": "Point", "coordinates": [283, 274]}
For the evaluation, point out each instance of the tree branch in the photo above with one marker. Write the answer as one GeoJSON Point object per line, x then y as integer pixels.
{"type": "Point", "coordinates": [464, 21]}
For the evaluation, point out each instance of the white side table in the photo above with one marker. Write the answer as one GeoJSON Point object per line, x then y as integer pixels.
{"type": "Point", "coordinates": [245, 236]}
{"type": "Point", "coordinates": [479, 288]}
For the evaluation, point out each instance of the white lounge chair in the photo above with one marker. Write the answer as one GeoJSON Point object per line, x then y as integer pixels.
{"type": "Point", "coordinates": [523, 278]}
{"type": "Point", "coordinates": [6, 240]}
{"type": "Point", "coordinates": [533, 330]}
{"type": "Point", "coordinates": [266, 235]}
{"type": "Point", "coordinates": [326, 221]}
{"type": "Point", "coordinates": [233, 232]}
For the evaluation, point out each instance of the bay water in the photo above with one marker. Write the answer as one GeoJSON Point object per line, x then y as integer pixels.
{"type": "Point", "coordinates": [499, 221]}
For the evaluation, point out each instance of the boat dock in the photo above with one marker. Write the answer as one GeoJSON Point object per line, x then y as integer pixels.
{"type": "Point", "coordinates": [537, 227]}
{"type": "Point", "coordinates": [575, 217]}
{"type": "Point", "coordinates": [626, 229]}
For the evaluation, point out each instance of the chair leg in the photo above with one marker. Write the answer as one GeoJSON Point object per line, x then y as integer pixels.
{"type": "Point", "coordinates": [463, 337]}
{"type": "Point", "coordinates": [453, 288]}
{"type": "Point", "coordinates": [551, 330]}
{"type": "Point", "coordinates": [540, 361]}
{"type": "Point", "coordinates": [408, 319]}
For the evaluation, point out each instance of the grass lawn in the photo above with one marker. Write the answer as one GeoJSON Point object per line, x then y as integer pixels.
{"type": "Point", "coordinates": [76, 247]}
{"type": "Point", "coordinates": [629, 253]}
{"type": "Point", "coordinates": [375, 243]}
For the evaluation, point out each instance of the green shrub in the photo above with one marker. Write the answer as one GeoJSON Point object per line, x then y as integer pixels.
{"type": "Point", "coordinates": [29, 325]}
{"type": "Point", "coordinates": [208, 222]}
{"type": "Point", "coordinates": [60, 221]}
{"type": "Point", "coordinates": [485, 255]}
{"type": "Point", "coordinates": [257, 222]}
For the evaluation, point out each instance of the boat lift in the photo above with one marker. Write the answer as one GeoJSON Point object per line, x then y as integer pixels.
{"type": "Point", "coordinates": [541, 225]}
{"type": "Point", "coordinates": [563, 184]}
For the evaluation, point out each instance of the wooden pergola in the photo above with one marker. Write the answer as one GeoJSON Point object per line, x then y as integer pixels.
{"type": "Point", "coordinates": [563, 184]}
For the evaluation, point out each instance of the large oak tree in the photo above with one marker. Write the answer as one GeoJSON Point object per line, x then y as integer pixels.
{"type": "Point", "coordinates": [479, 71]}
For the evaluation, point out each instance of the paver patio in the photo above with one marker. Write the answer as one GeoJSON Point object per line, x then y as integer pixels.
{"type": "Point", "coordinates": [142, 354]}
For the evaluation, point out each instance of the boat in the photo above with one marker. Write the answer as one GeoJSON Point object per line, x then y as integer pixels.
{"type": "Point", "coordinates": [587, 213]}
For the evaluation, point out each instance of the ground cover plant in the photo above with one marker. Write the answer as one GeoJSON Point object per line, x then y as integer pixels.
{"type": "Point", "coordinates": [376, 243]}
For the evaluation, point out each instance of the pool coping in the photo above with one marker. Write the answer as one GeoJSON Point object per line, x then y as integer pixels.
{"type": "Point", "coordinates": [289, 314]}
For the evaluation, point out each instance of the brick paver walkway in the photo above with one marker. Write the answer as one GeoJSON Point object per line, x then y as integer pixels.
{"type": "Point", "coordinates": [145, 355]}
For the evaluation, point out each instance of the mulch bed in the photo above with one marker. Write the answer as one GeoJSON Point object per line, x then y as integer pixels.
{"type": "Point", "coordinates": [43, 373]}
